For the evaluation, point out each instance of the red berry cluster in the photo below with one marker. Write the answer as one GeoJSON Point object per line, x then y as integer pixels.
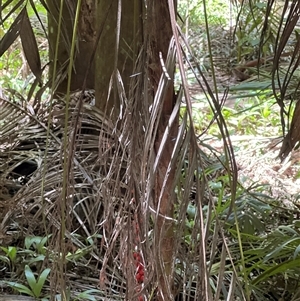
{"type": "Point", "coordinates": [140, 270]}
{"type": "Point", "coordinates": [139, 263]}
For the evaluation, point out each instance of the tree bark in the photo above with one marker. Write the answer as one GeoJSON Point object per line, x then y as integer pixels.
{"type": "Point", "coordinates": [160, 36]}
{"type": "Point", "coordinates": [85, 43]}
{"type": "Point", "coordinates": [108, 60]}
{"type": "Point", "coordinates": [108, 57]}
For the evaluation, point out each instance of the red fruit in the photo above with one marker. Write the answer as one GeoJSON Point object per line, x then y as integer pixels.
{"type": "Point", "coordinates": [140, 266]}
{"type": "Point", "coordinates": [139, 278]}
{"type": "Point", "coordinates": [141, 298]}
{"type": "Point", "coordinates": [137, 256]}
{"type": "Point", "coordinates": [141, 273]}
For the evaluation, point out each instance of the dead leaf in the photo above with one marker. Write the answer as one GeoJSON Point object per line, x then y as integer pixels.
{"type": "Point", "coordinates": [12, 33]}
{"type": "Point", "coordinates": [30, 47]}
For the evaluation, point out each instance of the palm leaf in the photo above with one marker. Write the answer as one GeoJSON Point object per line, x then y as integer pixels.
{"type": "Point", "coordinates": [110, 207]}
{"type": "Point", "coordinates": [13, 32]}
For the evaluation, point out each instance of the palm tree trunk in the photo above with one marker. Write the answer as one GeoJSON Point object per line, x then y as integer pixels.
{"type": "Point", "coordinates": [118, 49]}
{"type": "Point", "coordinates": [160, 32]}
{"type": "Point", "coordinates": [85, 43]}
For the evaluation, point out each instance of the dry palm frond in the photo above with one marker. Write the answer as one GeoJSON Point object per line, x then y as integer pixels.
{"type": "Point", "coordinates": [23, 139]}
{"type": "Point", "coordinates": [31, 185]}
{"type": "Point", "coordinates": [111, 202]}
{"type": "Point", "coordinates": [194, 261]}
{"type": "Point", "coordinates": [285, 80]}
{"type": "Point", "coordinates": [110, 193]}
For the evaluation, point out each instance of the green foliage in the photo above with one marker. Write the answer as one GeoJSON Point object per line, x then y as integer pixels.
{"type": "Point", "coordinates": [35, 285]}
{"type": "Point", "coordinates": [249, 27]}
{"type": "Point", "coordinates": [31, 259]}
{"type": "Point", "coordinates": [87, 295]}
{"type": "Point", "coordinates": [251, 212]}
{"type": "Point", "coordinates": [9, 257]}
{"type": "Point", "coordinates": [248, 114]}
{"type": "Point", "coordinates": [37, 243]}
{"type": "Point", "coordinates": [10, 252]}
{"type": "Point", "coordinates": [15, 62]}
{"type": "Point", "coordinates": [217, 10]}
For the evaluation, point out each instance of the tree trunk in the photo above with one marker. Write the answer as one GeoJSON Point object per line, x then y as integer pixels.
{"type": "Point", "coordinates": [85, 43]}
{"type": "Point", "coordinates": [109, 58]}
{"type": "Point", "coordinates": [160, 35]}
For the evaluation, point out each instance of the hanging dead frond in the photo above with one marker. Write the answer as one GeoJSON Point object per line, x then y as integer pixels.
{"type": "Point", "coordinates": [138, 203]}
{"type": "Point", "coordinates": [13, 32]}
{"type": "Point", "coordinates": [30, 47]}
{"type": "Point", "coordinates": [283, 78]}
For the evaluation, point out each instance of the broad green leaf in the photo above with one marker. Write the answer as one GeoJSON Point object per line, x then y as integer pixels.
{"type": "Point", "coordinates": [30, 241]}
{"type": "Point", "coordinates": [191, 211]}
{"type": "Point", "coordinates": [12, 253]}
{"type": "Point", "coordinates": [254, 42]}
{"type": "Point", "coordinates": [36, 285]}
{"type": "Point", "coordinates": [20, 288]}
{"type": "Point", "coordinates": [44, 240]}
{"type": "Point", "coordinates": [41, 280]}
{"type": "Point", "coordinates": [36, 259]}
{"type": "Point", "coordinates": [31, 280]}
{"type": "Point", "coordinates": [296, 223]}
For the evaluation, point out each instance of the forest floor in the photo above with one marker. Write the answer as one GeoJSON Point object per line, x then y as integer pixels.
{"type": "Point", "coordinates": [256, 154]}
{"type": "Point", "coordinates": [256, 150]}
{"type": "Point", "coordinates": [258, 163]}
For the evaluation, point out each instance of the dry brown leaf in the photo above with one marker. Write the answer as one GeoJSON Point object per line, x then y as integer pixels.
{"type": "Point", "coordinates": [12, 33]}
{"type": "Point", "coordinates": [30, 47]}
